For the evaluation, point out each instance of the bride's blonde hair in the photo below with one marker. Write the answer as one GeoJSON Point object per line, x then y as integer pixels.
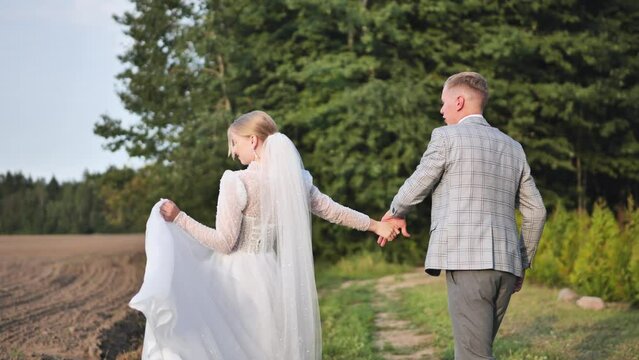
{"type": "Point", "coordinates": [256, 123]}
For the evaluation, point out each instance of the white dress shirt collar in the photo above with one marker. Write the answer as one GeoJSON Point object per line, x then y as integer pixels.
{"type": "Point", "coordinates": [467, 116]}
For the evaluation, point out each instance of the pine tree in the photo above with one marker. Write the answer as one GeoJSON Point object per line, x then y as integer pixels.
{"type": "Point", "coordinates": [632, 235]}
{"type": "Point", "coordinates": [601, 266]}
{"type": "Point", "coordinates": [547, 264]}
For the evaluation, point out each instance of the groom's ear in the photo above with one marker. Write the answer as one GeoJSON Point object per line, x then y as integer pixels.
{"type": "Point", "coordinates": [460, 102]}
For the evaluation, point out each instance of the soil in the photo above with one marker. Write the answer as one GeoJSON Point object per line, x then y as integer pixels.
{"type": "Point", "coordinates": [65, 296]}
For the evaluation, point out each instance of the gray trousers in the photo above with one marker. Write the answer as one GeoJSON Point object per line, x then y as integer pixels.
{"type": "Point", "coordinates": [477, 302]}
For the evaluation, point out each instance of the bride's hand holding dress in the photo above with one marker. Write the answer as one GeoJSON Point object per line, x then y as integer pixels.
{"type": "Point", "coordinates": [169, 210]}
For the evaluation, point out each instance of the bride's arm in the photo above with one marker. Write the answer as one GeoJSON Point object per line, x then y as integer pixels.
{"type": "Point", "coordinates": [328, 209]}
{"type": "Point", "coordinates": [231, 202]}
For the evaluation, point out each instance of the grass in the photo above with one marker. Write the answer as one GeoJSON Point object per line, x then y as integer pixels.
{"type": "Point", "coordinates": [536, 326]}
{"type": "Point", "coordinates": [426, 308]}
{"type": "Point", "coordinates": [348, 324]}
{"type": "Point", "coordinates": [357, 267]}
{"type": "Point", "coordinates": [347, 313]}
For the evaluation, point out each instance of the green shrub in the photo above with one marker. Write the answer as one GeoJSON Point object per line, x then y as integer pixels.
{"type": "Point", "coordinates": [602, 261]}
{"type": "Point", "coordinates": [632, 235]}
{"type": "Point", "coordinates": [546, 262]}
{"type": "Point", "coordinates": [558, 247]}
{"type": "Point", "coordinates": [574, 232]}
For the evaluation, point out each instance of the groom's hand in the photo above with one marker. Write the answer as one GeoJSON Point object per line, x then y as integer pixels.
{"type": "Point", "coordinates": [397, 222]}
{"type": "Point", "coordinates": [519, 283]}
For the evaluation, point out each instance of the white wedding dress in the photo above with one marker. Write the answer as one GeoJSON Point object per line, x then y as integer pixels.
{"type": "Point", "coordinates": [244, 289]}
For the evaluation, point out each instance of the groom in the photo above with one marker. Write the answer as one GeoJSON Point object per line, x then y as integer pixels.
{"type": "Point", "coordinates": [478, 176]}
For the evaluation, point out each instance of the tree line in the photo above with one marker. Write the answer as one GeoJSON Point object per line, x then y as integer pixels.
{"type": "Point", "coordinates": [38, 206]}
{"type": "Point", "coordinates": [356, 85]}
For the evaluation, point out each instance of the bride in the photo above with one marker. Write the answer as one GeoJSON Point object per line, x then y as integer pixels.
{"type": "Point", "coordinates": [246, 288]}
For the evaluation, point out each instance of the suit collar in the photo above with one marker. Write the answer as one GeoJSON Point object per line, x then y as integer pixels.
{"type": "Point", "coordinates": [475, 119]}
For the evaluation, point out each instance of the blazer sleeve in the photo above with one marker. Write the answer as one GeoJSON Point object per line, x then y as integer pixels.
{"type": "Point", "coordinates": [423, 180]}
{"type": "Point", "coordinates": [533, 212]}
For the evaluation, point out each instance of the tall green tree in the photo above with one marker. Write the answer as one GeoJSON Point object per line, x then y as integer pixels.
{"type": "Point", "coordinates": [601, 267]}
{"type": "Point", "coordinates": [356, 85]}
{"type": "Point", "coordinates": [631, 233]}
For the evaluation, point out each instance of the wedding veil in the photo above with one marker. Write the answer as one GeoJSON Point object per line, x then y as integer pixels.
{"type": "Point", "coordinates": [285, 212]}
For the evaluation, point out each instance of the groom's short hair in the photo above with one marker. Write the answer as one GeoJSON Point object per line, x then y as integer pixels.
{"type": "Point", "coordinates": [471, 80]}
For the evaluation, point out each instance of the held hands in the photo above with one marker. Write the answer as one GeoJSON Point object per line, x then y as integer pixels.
{"type": "Point", "coordinates": [397, 223]}
{"type": "Point", "coordinates": [385, 230]}
{"type": "Point", "coordinates": [169, 210]}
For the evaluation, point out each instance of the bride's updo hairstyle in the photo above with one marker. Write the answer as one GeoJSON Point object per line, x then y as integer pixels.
{"type": "Point", "coordinates": [256, 123]}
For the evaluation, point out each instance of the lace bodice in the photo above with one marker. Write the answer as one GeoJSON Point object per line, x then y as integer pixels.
{"type": "Point", "coordinates": [237, 225]}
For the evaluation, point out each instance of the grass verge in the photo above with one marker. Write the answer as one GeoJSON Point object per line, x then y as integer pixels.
{"type": "Point", "coordinates": [348, 324]}
{"type": "Point", "coordinates": [348, 318]}
{"type": "Point", "coordinates": [357, 267]}
{"type": "Point", "coordinates": [536, 326]}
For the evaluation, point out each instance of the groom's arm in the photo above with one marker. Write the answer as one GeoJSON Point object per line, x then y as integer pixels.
{"type": "Point", "coordinates": [423, 180]}
{"type": "Point", "coordinates": [533, 212]}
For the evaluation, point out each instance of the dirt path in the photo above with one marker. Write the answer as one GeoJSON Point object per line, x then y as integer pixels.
{"type": "Point", "coordinates": [58, 293]}
{"type": "Point", "coordinates": [397, 339]}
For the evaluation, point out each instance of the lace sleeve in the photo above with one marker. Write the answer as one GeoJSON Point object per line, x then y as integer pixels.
{"type": "Point", "coordinates": [326, 208]}
{"type": "Point", "coordinates": [230, 203]}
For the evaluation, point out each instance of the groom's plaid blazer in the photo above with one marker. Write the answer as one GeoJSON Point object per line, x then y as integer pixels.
{"type": "Point", "coordinates": [478, 176]}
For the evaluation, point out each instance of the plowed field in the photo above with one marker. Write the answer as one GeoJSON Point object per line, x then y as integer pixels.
{"type": "Point", "coordinates": [65, 296]}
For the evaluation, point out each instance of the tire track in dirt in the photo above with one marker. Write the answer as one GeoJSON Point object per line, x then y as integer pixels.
{"type": "Point", "coordinates": [26, 290]}
{"type": "Point", "coordinates": [397, 339]}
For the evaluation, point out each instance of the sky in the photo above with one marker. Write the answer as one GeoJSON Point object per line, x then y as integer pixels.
{"type": "Point", "coordinates": [58, 62]}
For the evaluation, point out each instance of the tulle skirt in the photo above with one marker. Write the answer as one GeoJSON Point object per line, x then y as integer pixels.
{"type": "Point", "coordinates": [203, 305]}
